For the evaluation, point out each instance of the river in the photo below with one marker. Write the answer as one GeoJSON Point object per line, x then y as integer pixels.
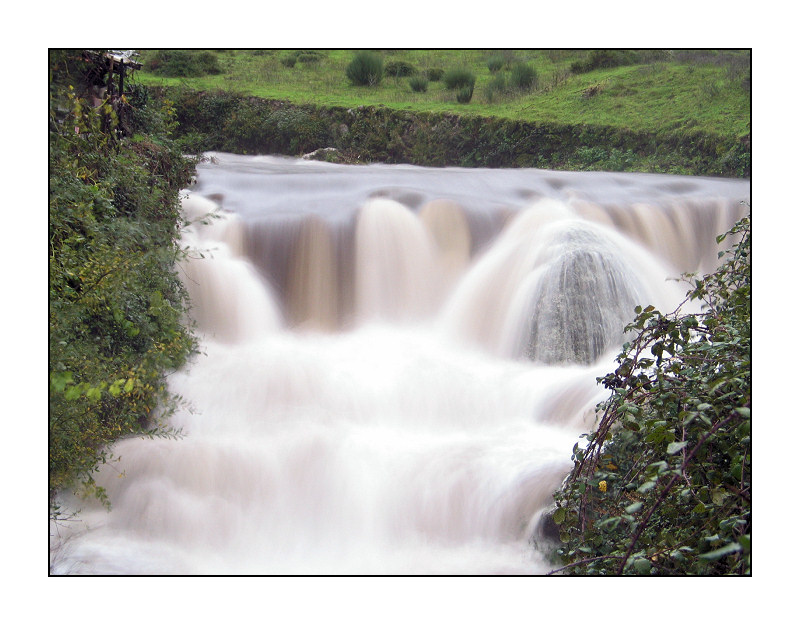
{"type": "Point", "coordinates": [396, 363]}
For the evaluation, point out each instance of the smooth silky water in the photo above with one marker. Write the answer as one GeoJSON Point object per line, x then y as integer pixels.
{"type": "Point", "coordinates": [397, 362]}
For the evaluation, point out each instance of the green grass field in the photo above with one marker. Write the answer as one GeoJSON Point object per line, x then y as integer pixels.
{"type": "Point", "coordinates": [663, 91]}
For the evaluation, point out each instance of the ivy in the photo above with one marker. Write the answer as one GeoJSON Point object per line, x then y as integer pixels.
{"type": "Point", "coordinates": [663, 486]}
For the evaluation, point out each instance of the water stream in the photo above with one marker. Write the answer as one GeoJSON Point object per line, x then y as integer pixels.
{"type": "Point", "coordinates": [397, 363]}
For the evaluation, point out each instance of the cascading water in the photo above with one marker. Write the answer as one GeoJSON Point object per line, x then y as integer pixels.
{"type": "Point", "coordinates": [397, 363]}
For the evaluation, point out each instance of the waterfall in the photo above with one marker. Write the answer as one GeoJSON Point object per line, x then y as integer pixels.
{"type": "Point", "coordinates": [396, 364]}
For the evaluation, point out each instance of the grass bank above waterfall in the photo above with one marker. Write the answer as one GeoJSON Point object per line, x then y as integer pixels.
{"type": "Point", "coordinates": [672, 111]}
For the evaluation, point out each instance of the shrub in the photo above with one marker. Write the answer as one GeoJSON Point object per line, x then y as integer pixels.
{"type": "Point", "coordinates": [184, 63]}
{"type": "Point", "coordinates": [664, 485]}
{"type": "Point", "coordinates": [604, 59]}
{"type": "Point", "coordinates": [310, 57]}
{"type": "Point", "coordinates": [290, 60]}
{"type": "Point", "coordinates": [366, 69]}
{"type": "Point", "coordinates": [458, 77]}
{"type": "Point", "coordinates": [434, 74]}
{"type": "Point", "coordinates": [523, 77]}
{"type": "Point", "coordinates": [495, 63]}
{"type": "Point", "coordinates": [418, 83]}
{"type": "Point", "coordinates": [464, 94]}
{"type": "Point", "coordinates": [298, 130]}
{"type": "Point", "coordinates": [497, 87]}
{"type": "Point", "coordinates": [399, 69]}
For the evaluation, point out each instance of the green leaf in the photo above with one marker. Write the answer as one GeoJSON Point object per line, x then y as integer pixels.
{"type": "Point", "coordinates": [674, 448]}
{"type": "Point", "coordinates": [699, 508]}
{"type": "Point", "coordinates": [718, 496]}
{"type": "Point", "coordinates": [646, 487]}
{"type": "Point", "coordinates": [677, 555]}
{"type": "Point", "coordinates": [721, 552]}
{"type": "Point", "coordinates": [744, 541]}
{"type": "Point", "coordinates": [60, 379]}
{"type": "Point", "coordinates": [115, 387]}
{"type": "Point", "coordinates": [642, 566]}
{"type": "Point", "coordinates": [73, 392]}
{"type": "Point", "coordinates": [128, 385]}
{"type": "Point", "coordinates": [634, 507]}
{"type": "Point", "coordinates": [93, 394]}
{"type": "Point", "coordinates": [559, 515]}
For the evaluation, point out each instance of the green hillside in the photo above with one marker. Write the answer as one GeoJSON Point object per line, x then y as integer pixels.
{"type": "Point", "coordinates": [651, 91]}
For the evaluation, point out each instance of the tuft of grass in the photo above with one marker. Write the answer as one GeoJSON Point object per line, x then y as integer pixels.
{"type": "Point", "coordinates": [464, 94]}
{"type": "Point", "coordinates": [398, 69]}
{"type": "Point", "coordinates": [185, 63]}
{"type": "Point", "coordinates": [523, 77]}
{"type": "Point", "coordinates": [458, 78]}
{"type": "Point", "coordinates": [495, 63]}
{"type": "Point", "coordinates": [434, 74]}
{"type": "Point", "coordinates": [418, 84]}
{"type": "Point", "coordinates": [366, 69]}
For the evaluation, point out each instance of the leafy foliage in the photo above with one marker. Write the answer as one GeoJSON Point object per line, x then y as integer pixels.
{"type": "Point", "coordinates": [664, 485]}
{"type": "Point", "coordinates": [218, 120]}
{"type": "Point", "coordinates": [116, 305]}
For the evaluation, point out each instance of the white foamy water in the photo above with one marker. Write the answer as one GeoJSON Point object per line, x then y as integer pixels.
{"type": "Point", "coordinates": [397, 363]}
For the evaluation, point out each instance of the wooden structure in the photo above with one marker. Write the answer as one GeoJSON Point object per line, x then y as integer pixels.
{"type": "Point", "coordinates": [105, 79]}
{"type": "Point", "coordinates": [107, 65]}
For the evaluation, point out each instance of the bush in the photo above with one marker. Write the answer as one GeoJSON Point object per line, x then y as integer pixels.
{"type": "Point", "coordinates": [664, 485]}
{"type": "Point", "coordinates": [418, 83]}
{"type": "Point", "coordinates": [523, 77]}
{"type": "Point", "coordinates": [458, 78]}
{"type": "Point", "coordinates": [434, 74]}
{"type": "Point", "coordinates": [184, 63]}
{"type": "Point", "coordinates": [257, 128]}
{"type": "Point", "coordinates": [398, 69]}
{"type": "Point", "coordinates": [604, 59]}
{"type": "Point", "coordinates": [366, 69]}
{"type": "Point", "coordinates": [297, 130]}
{"type": "Point", "coordinates": [496, 87]}
{"type": "Point", "coordinates": [310, 57]}
{"type": "Point", "coordinates": [464, 94]}
{"type": "Point", "coordinates": [495, 63]}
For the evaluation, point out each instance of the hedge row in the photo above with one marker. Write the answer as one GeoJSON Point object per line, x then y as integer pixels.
{"type": "Point", "coordinates": [228, 122]}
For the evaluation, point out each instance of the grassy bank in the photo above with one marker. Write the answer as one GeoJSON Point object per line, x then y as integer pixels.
{"type": "Point", "coordinates": [658, 111]}
{"type": "Point", "coordinates": [658, 91]}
